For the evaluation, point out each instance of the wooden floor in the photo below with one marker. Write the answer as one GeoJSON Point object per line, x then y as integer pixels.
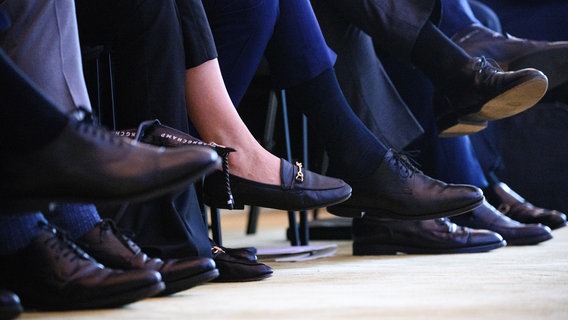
{"type": "Point", "coordinates": [509, 283]}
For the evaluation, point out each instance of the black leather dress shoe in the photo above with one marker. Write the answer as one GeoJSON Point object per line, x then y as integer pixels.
{"type": "Point", "coordinates": [10, 306]}
{"type": "Point", "coordinates": [89, 164]}
{"type": "Point", "coordinates": [381, 237]}
{"type": "Point", "coordinates": [464, 108]}
{"type": "Point", "coordinates": [52, 273]}
{"type": "Point", "coordinates": [514, 53]}
{"type": "Point", "coordinates": [514, 232]}
{"type": "Point", "coordinates": [398, 190]}
{"type": "Point", "coordinates": [517, 208]}
{"type": "Point", "coordinates": [300, 189]}
{"type": "Point", "coordinates": [115, 250]}
{"type": "Point", "coordinates": [238, 269]}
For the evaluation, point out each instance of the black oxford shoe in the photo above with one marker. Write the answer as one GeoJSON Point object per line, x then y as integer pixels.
{"type": "Point", "coordinates": [89, 164]}
{"type": "Point", "coordinates": [464, 108]}
{"type": "Point", "coordinates": [513, 53]}
{"type": "Point", "coordinates": [10, 306]}
{"type": "Point", "coordinates": [113, 249]}
{"type": "Point", "coordinates": [514, 232]}
{"type": "Point", "coordinates": [437, 236]}
{"type": "Point", "coordinates": [398, 190]}
{"type": "Point", "coordinates": [300, 189]}
{"type": "Point", "coordinates": [238, 268]}
{"type": "Point", "coordinates": [52, 273]}
{"type": "Point", "coordinates": [517, 208]}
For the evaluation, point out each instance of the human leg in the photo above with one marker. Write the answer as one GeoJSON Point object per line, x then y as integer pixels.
{"type": "Point", "coordinates": [284, 44]}
{"type": "Point", "coordinates": [33, 42]}
{"type": "Point", "coordinates": [48, 166]}
{"type": "Point", "coordinates": [472, 91]}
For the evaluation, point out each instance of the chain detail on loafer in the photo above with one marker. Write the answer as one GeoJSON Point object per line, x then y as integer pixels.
{"type": "Point", "coordinates": [436, 236]}
{"type": "Point", "coordinates": [398, 190]}
{"type": "Point", "coordinates": [304, 191]}
{"type": "Point", "coordinates": [114, 249]}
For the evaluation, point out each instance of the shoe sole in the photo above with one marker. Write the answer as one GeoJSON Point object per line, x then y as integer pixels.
{"type": "Point", "coordinates": [188, 283]}
{"type": "Point", "coordinates": [358, 212]}
{"type": "Point", "coordinates": [527, 241]}
{"type": "Point", "coordinates": [459, 127]}
{"type": "Point", "coordinates": [257, 278]}
{"type": "Point", "coordinates": [552, 62]}
{"type": "Point", "coordinates": [110, 301]}
{"type": "Point", "coordinates": [385, 249]}
{"type": "Point", "coordinates": [513, 101]}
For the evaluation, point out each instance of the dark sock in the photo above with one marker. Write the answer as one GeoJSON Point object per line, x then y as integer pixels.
{"type": "Point", "coordinates": [28, 120]}
{"type": "Point", "coordinates": [75, 219]}
{"type": "Point", "coordinates": [439, 58]}
{"type": "Point", "coordinates": [17, 231]}
{"type": "Point", "coordinates": [353, 150]}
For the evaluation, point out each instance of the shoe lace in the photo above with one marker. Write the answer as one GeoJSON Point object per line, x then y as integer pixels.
{"type": "Point", "coordinates": [107, 225]}
{"type": "Point", "coordinates": [87, 124]}
{"type": "Point", "coordinates": [61, 242]}
{"type": "Point", "coordinates": [486, 65]}
{"type": "Point", "coordinates": [407, 166]}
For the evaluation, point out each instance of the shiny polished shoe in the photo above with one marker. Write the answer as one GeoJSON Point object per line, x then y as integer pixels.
{"type": "Point", "coordinates": [52, 273]}
{"type": "Point", "coordinates": [517, 208]}
{"type": "Point", "coordinates": [300, 189]}
{"type": "Point", "coordinates": [89, 164]}
{"type": "Point", "coordinates": [246, 253]}
{"type": "Point", "coordinates": [514, 232]}
{"type": "Point", "coordinates": [238, 269]}
{"type": "Point", "coordinates": [398, 190]}
{"type": "Point", "coordinates": [113, 249]}
{"type": "Point", "coordinates": [436, 236]}
{"type": "Point", "coordinates": [513, 53]}
{"type": "Point", "coordinates": [10, 306]}
{"type": "Point", "coordinates": [493, 94]}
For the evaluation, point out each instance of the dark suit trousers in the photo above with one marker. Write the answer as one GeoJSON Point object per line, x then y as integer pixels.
{"type": "Point", "coordinates": [152, 43]}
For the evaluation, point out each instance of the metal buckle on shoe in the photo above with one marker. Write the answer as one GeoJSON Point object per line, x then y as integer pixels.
{"type": "Point", "coordinates": [216, 249]}
{"type": "Point", "coordinates": [300, 174]}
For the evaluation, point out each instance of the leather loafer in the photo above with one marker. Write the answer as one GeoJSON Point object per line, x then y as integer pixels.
{"type": "Point", "coordinates": [113, 249]}
{"type": "Point", "coordinates": [300, 189]}
{"type": "Point", "coordinates": [91, 165]}
{"type": "Point", "coordinates": [245, 253]}
{"type": "Point", "coordinates": [492, 94]}
{"type": "Point", "coordinates": [382, 237]}
{"type": "Point", "coordinates": [517, 208]}
{"type": "Point", "coordinates": [513, 53]}
{"type": "Point", "coordinates": [398, 190]}
{"type": "Point", "coordinates": [236, 269]}
{"type": "Point", "coordinates": [514, 232]}
{"type": "Point", "coordinates": [10, 306]}
{"type": "Point", "coordinates": [52, 273]}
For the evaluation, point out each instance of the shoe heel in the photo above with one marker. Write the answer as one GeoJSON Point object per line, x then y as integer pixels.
{"type": "Point", "coordinates": [348, 212]}
{"type": "Point", "coordinates": [450, 125]}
